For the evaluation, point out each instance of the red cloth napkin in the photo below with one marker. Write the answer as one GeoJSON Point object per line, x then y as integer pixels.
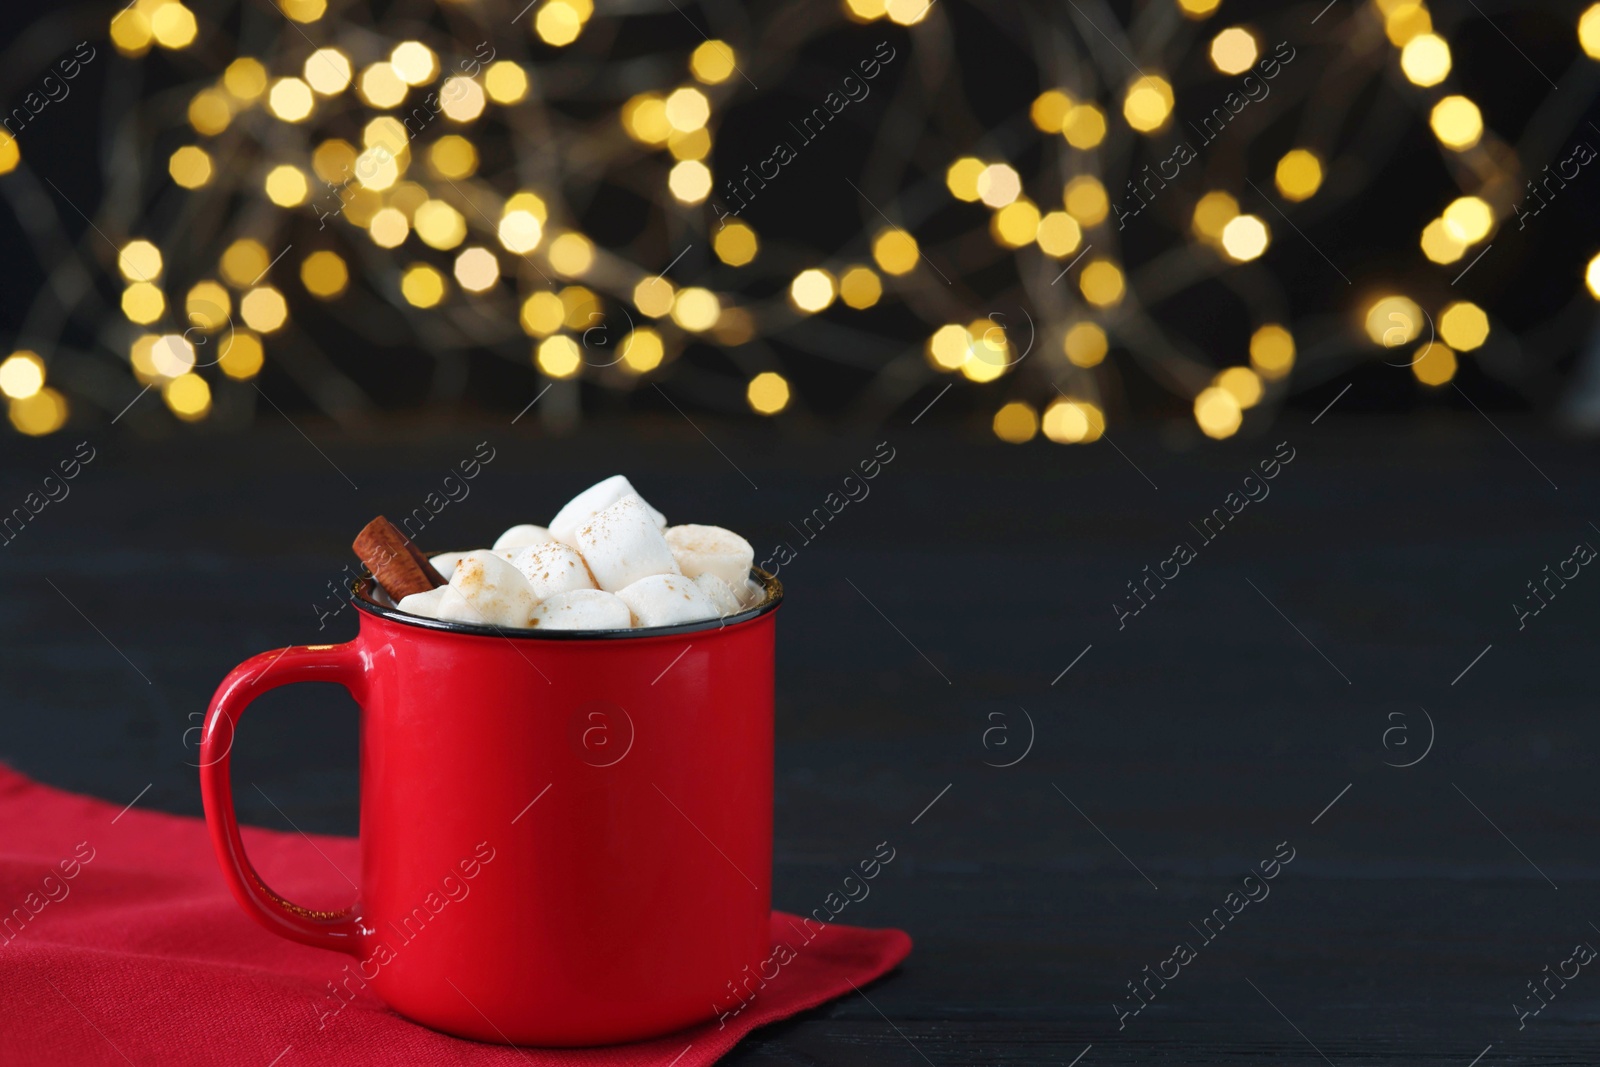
{"type": "Point", "coordinates": [119, 944]}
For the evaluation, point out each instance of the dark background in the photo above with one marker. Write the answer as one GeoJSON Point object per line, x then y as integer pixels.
{"type": "Point", "coordinates": [1221, 721]}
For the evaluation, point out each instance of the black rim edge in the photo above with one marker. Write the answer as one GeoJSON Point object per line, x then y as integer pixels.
{"type": "Point", "coordinates": [359, 588]}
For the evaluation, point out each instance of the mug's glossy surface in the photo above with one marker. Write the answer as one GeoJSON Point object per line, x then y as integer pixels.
{"type": "Point", "coordinates": [563, 841]}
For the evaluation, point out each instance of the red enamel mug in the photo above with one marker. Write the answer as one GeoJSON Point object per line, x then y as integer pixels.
{"type": "Point", "coordinates": [566, 836]}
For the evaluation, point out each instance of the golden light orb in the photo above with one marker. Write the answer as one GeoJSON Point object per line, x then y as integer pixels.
{"type": "Point", "coordinates": [1591, 277]}
{"type": "Point", "coordinates": [462, 99]}
{"type": "Point", "coordinates": [712, 62]}
{"type": "Point", "coordinates": [520, 231]}
{"type": "Point", "coordinates": [1016, 423]}
{"type": "Point", "coordinates": [1299, 174]}
{"type": "Point", "coordinates": [422, 286]}
{"type": "Point", "coordinates": [414, 62]}
{"type": "Point", "coordinates": [477, 269]}
{"type": "Point", "coordinates": [1243, 383]}
{"type": "Point", "coordinates": [1469, 219]}
{"type": "Point", "coordinates": [263, 309]}
{"type": "Point", "coordinates": [241, 357]}
{"type": "Point", "coordinates": [1101, 283]}
{"type": "Point", "coordinates": [1434, 365]}
{"type": "Point", "coordinates": [327, 71]}
{"type": "Point", "coordinates": [1049, 110]}
{"type": "Point", "coordinates": [542, 314]}
{"type": "Point", "coordinates": [571, 254]}
{"type": "Point", "coordinates": [1272, 351]}
{"type": "Point", "coordinates": [290, 99]}
{"type": "Point", "coordinates": [1440, 244]}
{"type": "Point", "coordinates": [559, 356]}
{"type": "Point", "coordinates": [130, 32]}
{"type": "Point", "coordinates": [1084, 126]}
{"type": "Point", "coordinates": [324, 274]}
{"type": "Point", "coordinates": [286, 185]}
{"type": "Point", "coordinates": [735, 244]}
{"type": "Point", "coordinates": [1589, 31]}
{"type": "Point", "coordinates": [1425, 59]}
{"type": "Point", "coordinates": [642, 351]}
{"type": "Point", "coordinates": [949, 347]}
{"type": "Point", "coordinates": [696, 309]}
{"type": "Point", "coordinates": [188, 396]}
{"type": "Point", "coordinates": [998, 185]}
{"type": "Point", "coordinates": [439, 225]}
{"type": "Point", "coordinates": [207, 305]}
{"type": "Point", "coordinates": [558, 23]}
{"type": "Point", "coordinates": [767, 393]}
{"type": "Point", "coordinates": [505, 82]}
{"type": "Point", "coordinates": [812, 290]}
{"type": "Point", "coordinates": [962, 178]}
{"type": "Point", "coordinates": [42, 413]}
{"type": "Point", "coordinates": [21, 375]}
{"type": "Point", "coordinates": [1016, 224]}
{"type": "Point", "coordinates": [245, 79]}
{"type": "Point", "coordinates": [690, 181]}
{"type": "Point", "coordinates": [172, 355]}
{"type": "Point", "coordinates": [381, 86]}
{"type": "Point", "coordinates": [1217, 413]}
{"type": "Point", "coordinates": [1234, 50]}
{"type": "Point", "coordinates": [1457, 122]}
{"type": "Point", "coordinates": [653, 297]}
{"type": "Point", "coordinates": [303, 10]}
{"type": "Point", "coordinates": [143, 303]}
{"type": "Point", "coordinates": [245, 261]}
{"type": "Point", "coordinates": [1058, 234]}
{"type": "Point", "coordinates": [139, 261]}
{"type": "Point", "coordinates": [190, 166]}
{"type": "Point", "coordinates": [453, 156]}
{"type": "Point", "coordinates": [1198, 9]}
{"type": "Point", "coordinates": [389, 227]}
{"type": "Point", "coordinates": [860, 288]}
{"type": "Point", "coordinates": [1085, 344]}
{"type": "Point", "coordinates": [1212, 213]}
{"type": "Point", "coordinates": [1463, 326]}
{"type": "Point", "coordinates": [173, 25]}
{"type": "Point", "coordinates": [210, 112]}
{"type": "Point", "coordinates": [1394, 320]}
{"type": "Point", "coordinates": [1085, 200]}
{"type": "Point", "coordinates": [907, 12]}
{"type": "Point", "coordinates": [644, 117]}
{"type": "Point", "coordinates": [10, 153]}
{"type": "Point", "coordinates": [1148, 103]}
{"type": "Point", "coordinates": [1245, 237]}
{"type": "Point", "coordinates": [895, 251]}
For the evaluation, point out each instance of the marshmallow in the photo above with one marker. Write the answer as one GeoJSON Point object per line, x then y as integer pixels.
{"type": "Point", "coordinates": [668, 599]}
{"type": "Point", "coordinates": [445, 562]}
{"type": "Point", "coordinates": [591, 502]}
{"type": "Point", "coordinates": [491, 592]}
{"type": "Point", "coordinates": [711, 550]}
{"type": "Point", "coordinates": [425, 604]}
{"type": "Point", "coordinates": [751, 593]}
{"type": "Point", "coordinates": [521, 537]}
{"type": "Point", "coordinates": [582, 609]}
{"type": "Point", "coordinates": [552, 568]}
{"type": "Point", "coordinates": [623, 544]}
{"type": "Point", "coordinates": [720, 592]}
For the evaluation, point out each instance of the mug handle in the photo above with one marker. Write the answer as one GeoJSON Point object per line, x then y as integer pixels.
{"type": "Point", "coordinates": [341, 931]}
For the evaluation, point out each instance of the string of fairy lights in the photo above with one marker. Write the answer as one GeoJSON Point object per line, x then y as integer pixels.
{"type": "Point", "coordinates": [382, 142]}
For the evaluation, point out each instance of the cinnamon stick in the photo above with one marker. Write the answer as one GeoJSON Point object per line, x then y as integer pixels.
{"type": "Point", "coordinates": [394, 561]}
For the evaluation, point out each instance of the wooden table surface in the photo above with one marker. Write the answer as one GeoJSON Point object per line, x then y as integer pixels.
{"type": "Point", "coordinates": [1357, 616]}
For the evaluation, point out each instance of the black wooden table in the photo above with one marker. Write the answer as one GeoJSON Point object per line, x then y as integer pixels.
{"type": "Point", "coordinates": [1073, 790]}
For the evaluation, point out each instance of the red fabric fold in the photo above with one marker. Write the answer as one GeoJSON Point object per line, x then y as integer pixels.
{"type": "Point", "coordinates": [120, 944]}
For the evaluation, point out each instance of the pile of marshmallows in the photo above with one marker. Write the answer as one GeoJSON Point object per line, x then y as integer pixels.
{"type": "Point", "coordinates": [608, 561]}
